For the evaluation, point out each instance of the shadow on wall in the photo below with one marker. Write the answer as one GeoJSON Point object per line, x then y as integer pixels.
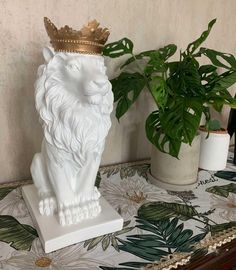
{"type": "Point", "coordinates": [133, 126]}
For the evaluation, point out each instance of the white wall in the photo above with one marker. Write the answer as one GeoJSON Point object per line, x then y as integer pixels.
{"type": "Point", "coordinates": [149, 23]}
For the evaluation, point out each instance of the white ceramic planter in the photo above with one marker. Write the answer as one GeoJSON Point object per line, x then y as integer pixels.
{"type": "Point", "coordinates": [214, 150]}
{"type": "Point", "coordinates": [176, 174]}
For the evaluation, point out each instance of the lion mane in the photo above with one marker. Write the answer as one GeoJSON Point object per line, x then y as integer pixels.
{"type": "Point", "coordinates": [70, 124]}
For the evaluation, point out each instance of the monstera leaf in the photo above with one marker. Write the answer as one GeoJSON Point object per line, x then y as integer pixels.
{"type": "Point", "coordinates": [126, 88]}
{"type": "Point", "coordinates": [183, 114]}
{"type": "Point", "coordinates": [163, 54]}
{"type": "Point", "coordinates": [159, 91]}
{"type": "Point", "coordinates": [219, 59]}
{"type": "Point", "coordinates": [222, 190]}
{"type": "Point", "coordinates": [156, 136]}
{"type": "Point", "coordinates": [118, 48]}
{"type": "Point", "coordinates": [161, 210]}
{"type": "Point", "coordinates": [218, 94]}
{"type": "Point", "coordinates": [195, 44]}
{"type": "Point", "coordinates": [137, 57]}
{"type": "Point", "coordinates": [20, 236]}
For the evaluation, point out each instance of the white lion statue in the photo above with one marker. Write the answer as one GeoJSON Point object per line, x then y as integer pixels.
{"type": "Point", "coordinates": [74, 100]}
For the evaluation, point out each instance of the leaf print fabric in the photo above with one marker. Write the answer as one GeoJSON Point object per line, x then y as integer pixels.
{"type": "Point", "coordinates": [157, 222]}
{"type": "Point", "coordinates": [129, 194]}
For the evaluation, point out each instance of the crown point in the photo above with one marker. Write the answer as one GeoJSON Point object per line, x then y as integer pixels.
{"type": "Point", "coordinates": [90, 39]}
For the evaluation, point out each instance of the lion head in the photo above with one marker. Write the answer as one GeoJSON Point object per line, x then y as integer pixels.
{"type": "Point", "coordinates": [74, 100]}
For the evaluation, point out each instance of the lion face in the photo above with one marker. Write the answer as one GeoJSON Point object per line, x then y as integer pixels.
{"type": "Point", "coordinates": [83, 76]}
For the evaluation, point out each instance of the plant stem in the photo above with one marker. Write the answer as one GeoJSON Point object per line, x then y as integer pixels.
{"type": "Point", "coordinates": [201, 216]}
{"type": "Point", "coordinates": [136, 62]}
{"type": "Point", "coordinates": [191, 217]}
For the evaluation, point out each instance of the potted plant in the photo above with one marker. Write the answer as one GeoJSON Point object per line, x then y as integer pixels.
{"type": "Point", "coordinates": [183, 91]}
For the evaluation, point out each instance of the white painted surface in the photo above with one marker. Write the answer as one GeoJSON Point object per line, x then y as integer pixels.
{"type": "Point", "coordinates": [74, 101]}
{"type": "Point", "coordinates": [214, 151]}
{"type": "Point", "coordinates": [53, 236]}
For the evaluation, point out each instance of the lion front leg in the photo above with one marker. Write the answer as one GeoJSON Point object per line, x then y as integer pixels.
{"type": "Point", "coordinates": [86, 191]}
{"type": "Point", "coordinates": [80, 202]}
{"type": "Point", "coordinates": [87, 177]}
{"type": "Point", "coordinates": [47, 202]}
{"type": "Point", "coordinates": [67, 199]}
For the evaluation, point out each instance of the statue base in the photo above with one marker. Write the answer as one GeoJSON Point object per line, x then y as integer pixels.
{"type": "Point", "coordinates": [53, 236]}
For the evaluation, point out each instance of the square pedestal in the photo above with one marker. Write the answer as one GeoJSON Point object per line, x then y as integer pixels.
{"type": "Point", "coordinates": [54, 236]}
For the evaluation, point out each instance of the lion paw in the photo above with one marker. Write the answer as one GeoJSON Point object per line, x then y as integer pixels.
{"type": "Point", "coordinates": [96, 194]}
{"type": "Point", "coordinates": [47, 206]}
{"type": "Point", "coordinates": [76, 214]}
{"type": "Point", "coordinates": [89, 196]}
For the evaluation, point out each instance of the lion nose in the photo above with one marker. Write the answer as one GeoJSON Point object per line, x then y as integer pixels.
{"type": "Point", "coordinates": [100, 87]}
{"type": "Point", "coordinates": [100, 82]}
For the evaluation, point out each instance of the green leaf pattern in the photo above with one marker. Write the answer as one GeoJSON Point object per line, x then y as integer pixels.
{"type": "Point", "coordinates": [163, 237]}
{"type": "Point", "coordinates": [160, 210]}
{"type": "Point", "coordinates": [4, 191]}
{"type": "Point", "coordinates": [227, 175]}
{"type": "Point", "coordinates": [19, 236]}
{"type": "Point", "coordinates": [106, 240]}
{"type": "Point", "coordinates": [126, 171]}
{"type": "Point", "coordinates": [159, 229]}
{"type": "Point", "coordinates": [222, 190]}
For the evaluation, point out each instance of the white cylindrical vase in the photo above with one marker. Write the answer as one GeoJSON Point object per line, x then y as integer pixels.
{"type": "Point", "coordinates": [176, 174]}
{"type": "Point", "coordinates": [214, 150]}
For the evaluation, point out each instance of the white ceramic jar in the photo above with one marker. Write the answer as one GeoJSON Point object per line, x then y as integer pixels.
{"type": "Point", "coordinates": [214, 150]}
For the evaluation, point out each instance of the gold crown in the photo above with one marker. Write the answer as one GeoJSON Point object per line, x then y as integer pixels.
{"type": "Point", "coordinates": [89, 40]}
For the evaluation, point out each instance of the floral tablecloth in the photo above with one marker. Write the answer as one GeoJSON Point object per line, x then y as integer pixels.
{"type": "Point", "coordinates": [158, 223]}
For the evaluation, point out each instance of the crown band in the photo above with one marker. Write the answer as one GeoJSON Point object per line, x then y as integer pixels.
{"type": "Point", "coordinates": [76, 47]}
{"type": "Point", "coordinates": [85, 42]}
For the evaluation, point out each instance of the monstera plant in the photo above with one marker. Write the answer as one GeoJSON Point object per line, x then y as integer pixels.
{"type": "Point", "coordinates": [183, 90]}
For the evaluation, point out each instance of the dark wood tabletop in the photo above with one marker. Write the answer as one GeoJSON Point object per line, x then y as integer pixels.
{"type": "Point", "coordinates": [223, 259]}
